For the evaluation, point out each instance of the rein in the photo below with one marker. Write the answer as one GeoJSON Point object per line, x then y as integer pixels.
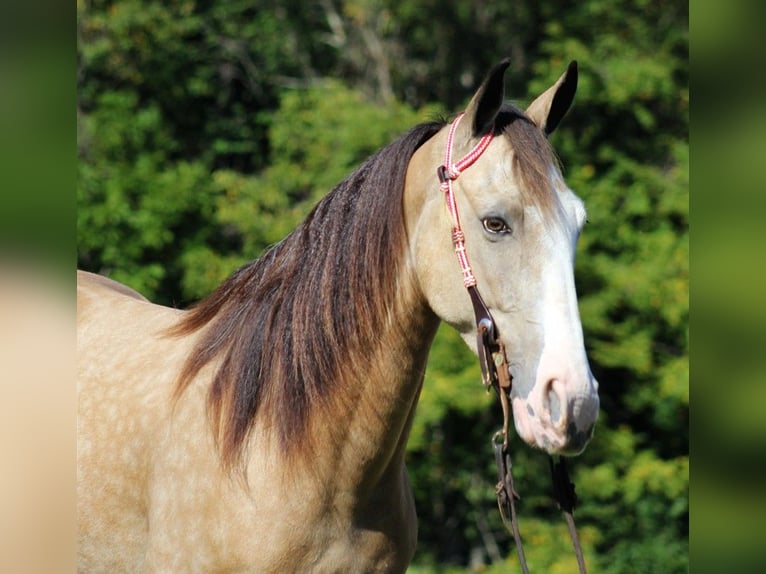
{"type": "Point", "coordinates": [494, 367]}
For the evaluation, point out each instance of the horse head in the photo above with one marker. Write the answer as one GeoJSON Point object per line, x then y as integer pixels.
{"type": "Point", "coordinates": [520, 223]}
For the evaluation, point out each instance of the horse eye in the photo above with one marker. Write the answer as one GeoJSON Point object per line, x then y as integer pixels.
{"type": "Point", "coordinates": [495, 225]}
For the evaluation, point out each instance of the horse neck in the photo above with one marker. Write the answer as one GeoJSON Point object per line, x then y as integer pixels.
{"type": "Point", "coordinates": [368, 425]}
{"type": "Point", "coordinates": [382, 399]}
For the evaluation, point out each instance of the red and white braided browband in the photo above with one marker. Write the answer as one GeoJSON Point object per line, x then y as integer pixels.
{"type": "Point", "coordinates": [449, 172]}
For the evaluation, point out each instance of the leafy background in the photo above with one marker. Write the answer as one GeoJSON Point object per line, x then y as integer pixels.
{"type": "Point", "coordinates": [207, 129]}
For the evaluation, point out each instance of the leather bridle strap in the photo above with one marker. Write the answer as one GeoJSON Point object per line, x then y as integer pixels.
{"type": "Point", "coordinates": [564, 493]}
{"type": "Point", "coordinates": [506, 497]}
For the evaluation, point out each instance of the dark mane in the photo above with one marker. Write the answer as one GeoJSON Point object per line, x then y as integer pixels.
{"type": "Point", "coordinates": [284, 325]}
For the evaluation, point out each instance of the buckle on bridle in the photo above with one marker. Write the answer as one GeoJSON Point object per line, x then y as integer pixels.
{"type": "Point", "coordinates": [441, 171]}
{"type": "Point", "coordinates": [485, 343]}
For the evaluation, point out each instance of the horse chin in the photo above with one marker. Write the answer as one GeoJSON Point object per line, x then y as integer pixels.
{"type": "Point", "coordinates": [542, 433]}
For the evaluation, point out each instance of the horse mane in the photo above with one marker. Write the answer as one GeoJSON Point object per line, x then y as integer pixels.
{"type": "Point", "coordinates": [285, 326]}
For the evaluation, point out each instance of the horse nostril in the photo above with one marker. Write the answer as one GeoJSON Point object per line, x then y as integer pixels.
{"type": "Point", "coordinates": [577, 438]}
{"type": "Point", "coordinates": [554, 402]}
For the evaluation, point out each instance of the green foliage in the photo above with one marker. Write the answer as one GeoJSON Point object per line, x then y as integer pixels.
{"type": "Point", "coordinates": [142, 205]}
{"type": "Point", "coordinates": [454, 384]}
{"type": "Point", "coordinates": [318, 136]}
{"type": "Point", "coordinates": [207, 130]}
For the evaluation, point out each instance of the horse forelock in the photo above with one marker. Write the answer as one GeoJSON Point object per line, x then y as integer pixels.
{"type": "Point", "coordinates": [285, 330]}
{"type": "Point", "coordinates": [534, 160]}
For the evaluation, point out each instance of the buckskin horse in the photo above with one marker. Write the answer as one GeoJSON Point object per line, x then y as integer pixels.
{"type": "Point", "coordinates": [264, 429]}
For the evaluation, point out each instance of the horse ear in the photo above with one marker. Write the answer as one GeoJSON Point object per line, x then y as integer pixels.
{"type": "Point", "coordinates": [550, 106]}
{"type": "Point", "coordinates": [486, 102]}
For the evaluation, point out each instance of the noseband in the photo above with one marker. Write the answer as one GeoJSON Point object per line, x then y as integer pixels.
{"type": "Point", "coordinates": [494, 364]}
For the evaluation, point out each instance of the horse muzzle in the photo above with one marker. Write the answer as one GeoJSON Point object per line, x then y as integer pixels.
{"type": "Point", "coordinates": [556, 416]}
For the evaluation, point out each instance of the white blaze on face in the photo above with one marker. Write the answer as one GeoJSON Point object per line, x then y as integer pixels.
{"type": "Point", "coordinates": [559, 412]}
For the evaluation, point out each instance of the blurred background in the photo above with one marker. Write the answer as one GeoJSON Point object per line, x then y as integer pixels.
{"type": "Point", "coordinates": [206, 130]}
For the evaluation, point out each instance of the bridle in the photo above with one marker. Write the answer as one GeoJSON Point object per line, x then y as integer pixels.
{"type": "Point", "coordinates": [494, 365]}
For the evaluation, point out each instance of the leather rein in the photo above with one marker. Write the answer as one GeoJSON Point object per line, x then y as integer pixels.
{"type": "Point", "coordinates": [494, 368]}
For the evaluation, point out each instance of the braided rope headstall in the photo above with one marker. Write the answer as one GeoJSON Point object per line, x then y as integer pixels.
{"type": "Point", "coordinates": [494, 365]}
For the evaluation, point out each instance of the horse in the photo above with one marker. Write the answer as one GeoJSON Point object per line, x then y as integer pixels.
{"type": "Point", "coordinates": [264, 429]}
